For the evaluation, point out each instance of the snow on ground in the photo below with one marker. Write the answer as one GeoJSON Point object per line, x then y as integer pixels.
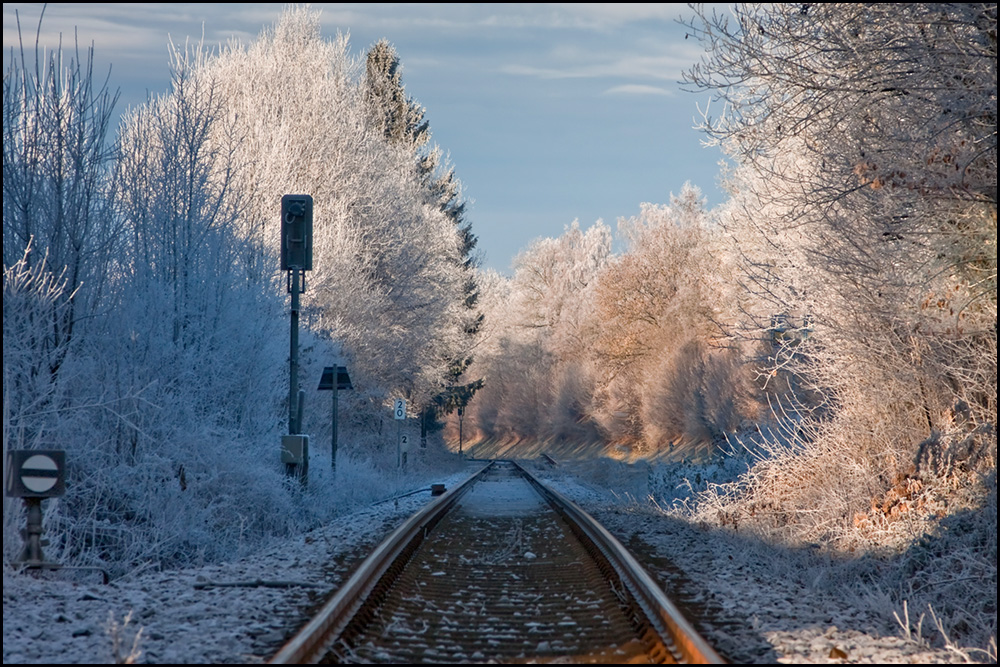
{"type": "Point", "coordinates": [186, 616]}
{"type": "Point", "coordinates": [752, 605]}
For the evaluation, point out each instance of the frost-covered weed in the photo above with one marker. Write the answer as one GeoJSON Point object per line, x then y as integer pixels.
{"type": "Point", "coordinates": [928, 540]}
{"type": "Point", "coordinates": [676, 483]}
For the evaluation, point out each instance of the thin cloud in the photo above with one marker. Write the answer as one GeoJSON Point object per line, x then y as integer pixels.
{"type": "Point", "coordinates": [119, 29]}
{"type": "Point", "coordinates": [654, 67]}
{"type": "Point", "coordinates": [467, 18]}
{"type": "Point", "coordinates": [638, 89]}
{"type": "Point", "coordinates": [618, 14]}
{"type": "Point", "coordinates": [453, 18]}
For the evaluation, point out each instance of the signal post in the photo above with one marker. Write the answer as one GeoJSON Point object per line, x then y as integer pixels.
{"type": "Point", "coordinates": [296, 259]}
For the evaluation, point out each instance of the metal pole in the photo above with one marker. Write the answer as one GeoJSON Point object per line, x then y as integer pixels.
{"type": "Point", "coordinates": [304, 467]}
{"type": "Point", "coordinates": [32, 552]}
{"type": "Point", "coordinates": [300, 408]}
{"type": "Point", "coordinates": [333, 436]}
{"type": "Point", "coordinates": [293, 357]}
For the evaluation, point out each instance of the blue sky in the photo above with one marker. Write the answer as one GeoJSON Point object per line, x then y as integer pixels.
{"type": "Point", "coordinates": [550, 113]}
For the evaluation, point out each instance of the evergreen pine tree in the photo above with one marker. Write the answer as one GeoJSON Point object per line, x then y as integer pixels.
{"type": "Point", "coordinates": [402, 121]}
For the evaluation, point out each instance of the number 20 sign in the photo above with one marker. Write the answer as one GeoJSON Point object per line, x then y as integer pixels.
{"type": "Point", "coordinates": [399, 409]}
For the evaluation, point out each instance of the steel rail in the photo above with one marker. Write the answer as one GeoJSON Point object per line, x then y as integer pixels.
{"type": "Point", "coordinates": [658, 614]}
{"type": "Point", "coordinates": [313, 641]}
{"type": "Point", "coordinates": [667, 620]}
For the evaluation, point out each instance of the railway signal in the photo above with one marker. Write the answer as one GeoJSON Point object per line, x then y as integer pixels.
{"type": "Point", "coordinates": [296, 232]}
{"type": "Point", "coordinates": [296, 258]}
{"type": "Point", "coordinates": [35, 474]}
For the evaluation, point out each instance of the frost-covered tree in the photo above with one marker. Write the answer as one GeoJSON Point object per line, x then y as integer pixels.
{"type": "Point", "coordinates": [624, 349]}
{"type": "Point", "coordinates": [864, 196]}
{"type": "Point", "coordinates": [661, 304]}
{"type": "Point", "coordinates": [400, 118]}
{"type": "Point", "coordinates": [32, 297]}
{"type": "Point", "coordinates": [189, 263]}
{"type": "Point", "coordinates": [647, 296]}
{"type": "Point", "coordinates": [865, 192]}
{"type": "Point", "coordinates": [386, 283]}
{"type": "Point", "coordinates": [540, 326]}
{"type": "Point", "coordinates": [402, 122]}
{"type": "Point", "coordinates": [56, 153]}
{"type": "Point", "coordinates": [170, 391]}
{"type": "Point", "coordinates": [180, 362]}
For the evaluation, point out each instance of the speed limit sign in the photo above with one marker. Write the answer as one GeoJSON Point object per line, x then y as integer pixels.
{"type": "Point", "coordinates": [399, 409]}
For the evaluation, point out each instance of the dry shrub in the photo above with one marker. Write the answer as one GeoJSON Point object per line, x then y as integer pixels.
{"type": "Point", "coordinates": [852, 482]}
{"type": "Point", "coordinates": [568, 419]}
{"type": "Point", "coordinates": [951, 574]}
{"type": "Point", "coordinates": [863, 479]}
{"type": "Point", "coordinates": [121, 652]}
{"type": "Point", "coordinates": [695, 397]}
{"type": "Point", "coordinates": [615, 409]}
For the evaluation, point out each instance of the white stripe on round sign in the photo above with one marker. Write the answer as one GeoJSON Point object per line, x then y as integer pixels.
{"type": "Point", "coordinates": [39, 484]}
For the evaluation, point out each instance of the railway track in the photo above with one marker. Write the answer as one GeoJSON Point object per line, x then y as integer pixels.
{"type": "Point", "coordinates": [499, 569]}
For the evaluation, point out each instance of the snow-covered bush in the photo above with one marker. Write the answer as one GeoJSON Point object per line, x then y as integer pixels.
{"type": "Point", "coordinates": [151, 344]}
